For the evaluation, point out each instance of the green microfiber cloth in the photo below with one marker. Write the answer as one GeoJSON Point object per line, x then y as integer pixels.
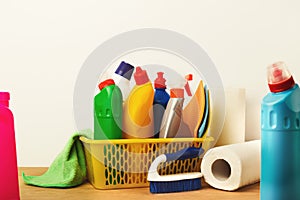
{"type": "Point", "coordinates": [68, 169]}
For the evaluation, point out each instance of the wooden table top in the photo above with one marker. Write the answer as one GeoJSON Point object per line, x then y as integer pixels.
{"type": "Point", "coordinates": [87, 192]}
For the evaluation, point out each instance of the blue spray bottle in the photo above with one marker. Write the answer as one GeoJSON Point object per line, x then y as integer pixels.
{"type": "Point", "coordinates": [161, 99]}
{"type": "Point", "coordinates": [280, 137]}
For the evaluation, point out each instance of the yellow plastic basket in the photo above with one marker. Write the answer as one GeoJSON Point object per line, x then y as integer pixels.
{"type": "Point", "coordinates": [124, 163]}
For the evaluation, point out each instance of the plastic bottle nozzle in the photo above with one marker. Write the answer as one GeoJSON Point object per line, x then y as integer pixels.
{"type": "Point", "coordinates": [277, 73]}
{"type": "Point", "coordinates": [160, 81]}
{"type": "Point", "coordinates": [189, 77]}
{"type": "Point", "coordinates": [140, 76]}
{"type": "Point", "coordinates": [279, 77]}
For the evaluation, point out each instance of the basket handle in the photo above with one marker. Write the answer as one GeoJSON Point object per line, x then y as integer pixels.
{"type": "Point", "coordinates": [190, 152]}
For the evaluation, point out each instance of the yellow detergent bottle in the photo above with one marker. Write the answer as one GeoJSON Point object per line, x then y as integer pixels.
{"type": "Point", "coordinates": [137, 111]}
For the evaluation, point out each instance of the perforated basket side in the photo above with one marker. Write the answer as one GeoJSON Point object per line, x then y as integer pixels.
{"type": "Point", "coordinates": [117, 164]}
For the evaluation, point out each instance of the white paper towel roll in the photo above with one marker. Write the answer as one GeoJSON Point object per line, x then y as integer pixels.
{"type": "Point", "coordinates": [232, 166]}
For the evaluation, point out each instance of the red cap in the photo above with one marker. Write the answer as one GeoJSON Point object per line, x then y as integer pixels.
{"type": "Point", "coordinates": [106, 83]}
{"type": "Point", "coordinates": [4, 96]}
{"type": "Point", "coordinates": [140, 76]}
{"type": "Point", "coordinates": [188, 78]}
{"type": "Point", "coordinates": [176, 93]}
{"type": "Point", "coordinates": [279, 77]}
{"type": "Point", "coordinates": [160, 81]}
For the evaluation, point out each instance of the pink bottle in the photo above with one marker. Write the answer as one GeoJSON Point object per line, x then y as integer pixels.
{"type": "Point", "coordinates": [9, 185]}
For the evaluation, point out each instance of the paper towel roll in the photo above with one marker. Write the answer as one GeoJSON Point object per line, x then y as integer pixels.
{"type": "Point", "coordinates": [232, 166]}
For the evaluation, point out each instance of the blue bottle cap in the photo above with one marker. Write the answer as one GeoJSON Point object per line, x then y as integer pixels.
{"type": "Point", "coordinates": [125, 70]}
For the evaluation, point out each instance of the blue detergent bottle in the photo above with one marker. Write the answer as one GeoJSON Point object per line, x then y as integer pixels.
{"type": "Point", "coordinates": [161, 99]}
{"type": "Point", "coordinates": [280, 137]}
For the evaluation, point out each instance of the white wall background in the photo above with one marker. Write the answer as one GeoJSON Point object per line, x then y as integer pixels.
{"type": "Point", "coordinates": [44, 43]}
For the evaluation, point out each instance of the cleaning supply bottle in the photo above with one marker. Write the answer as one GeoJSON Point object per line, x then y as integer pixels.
{"type": "Point", "coordinates": [173, 115]}
{"type": "Point", "coordinates": [108, 110]}
{"type": "Point", "coordinates": [280, 137]}
{"type": "Point", "coordinates": [122, 78]}
{"type": "Point", "coordinates": [9, 185]}
{"type": "Point", "coordinates": [161, 98]}
{"type": "Point", "coordinates": [138, 114]}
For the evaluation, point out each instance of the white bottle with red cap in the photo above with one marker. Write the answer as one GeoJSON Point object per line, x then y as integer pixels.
{"type": "Point", "coordinates": [173, 115]}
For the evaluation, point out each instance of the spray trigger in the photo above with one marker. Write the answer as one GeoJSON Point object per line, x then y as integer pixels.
{"type": "Point", "coordinates": [188, 77]}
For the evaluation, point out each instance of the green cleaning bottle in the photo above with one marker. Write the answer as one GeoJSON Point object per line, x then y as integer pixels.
{"type": "Point", "coordinates": [108, 111]}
